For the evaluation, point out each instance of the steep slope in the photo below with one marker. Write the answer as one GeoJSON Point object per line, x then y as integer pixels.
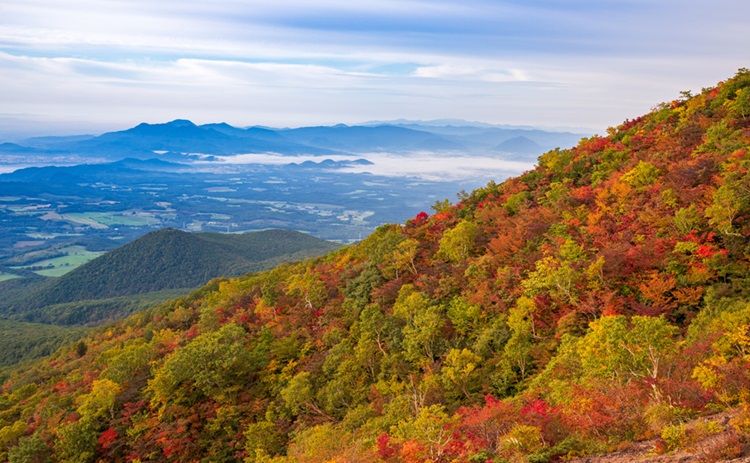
{"type": "Point", "coordinates": [597, 300]}
{"type": "Point", "coordinates": [21, 341]}
{"type": "Point", "coordinates": [268, 244]}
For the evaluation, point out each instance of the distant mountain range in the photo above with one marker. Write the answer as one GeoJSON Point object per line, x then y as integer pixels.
{"type": "Point", "coordinates": [599, 302]}
{"type": "Point", "coordinates": [180, 140]}
{"type": "Point", "coordinates": [161, 260]}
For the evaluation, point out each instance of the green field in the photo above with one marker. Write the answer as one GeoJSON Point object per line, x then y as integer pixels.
{"type": "Point", "coordinates": [49, 236]}
{"type": "Point", "coordinates": [8, 276]}
{"type": "Point", "coordinates": [75, 257]}
{"type": "Point", "coordinates": [104, 220]}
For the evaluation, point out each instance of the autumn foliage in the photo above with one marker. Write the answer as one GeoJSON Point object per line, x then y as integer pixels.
{"type": "Point", "coordinates": [601, 298]}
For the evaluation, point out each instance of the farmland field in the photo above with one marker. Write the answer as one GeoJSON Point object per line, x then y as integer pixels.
{"type": "Point", "coordinates": [58, 266]}
{"type": "Point", "coordinates": [7, 276]}
{"type": "Point", "coordinates": [105, 220]}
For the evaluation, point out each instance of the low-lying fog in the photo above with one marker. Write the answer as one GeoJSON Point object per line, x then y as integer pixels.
{"type": "Point", "coordinates": [426, 166]}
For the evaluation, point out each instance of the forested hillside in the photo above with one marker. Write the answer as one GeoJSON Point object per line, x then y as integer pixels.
{"type": "Point", "coordinates": [600, 299]}
{"type": "Point", "coordinates": [162, 260]}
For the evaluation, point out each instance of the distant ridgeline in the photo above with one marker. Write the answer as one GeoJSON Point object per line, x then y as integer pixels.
{"type": "Point", "coordinates": [102, 289]}
{"type": "Point", "coordinates": [599, 299]}
{"type": "Point", "coordinates": [175, 140]}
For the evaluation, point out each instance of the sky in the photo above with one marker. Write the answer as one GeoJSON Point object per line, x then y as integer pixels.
{"type": "Point", "coordinates": [87, 66]}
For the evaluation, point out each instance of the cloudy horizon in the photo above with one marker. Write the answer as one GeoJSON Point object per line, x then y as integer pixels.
{"type": "Point", "coordinates": [107, 65]}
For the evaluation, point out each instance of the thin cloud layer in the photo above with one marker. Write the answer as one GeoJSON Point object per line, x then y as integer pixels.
{"type": "Point", "coordinates": [293, 62]}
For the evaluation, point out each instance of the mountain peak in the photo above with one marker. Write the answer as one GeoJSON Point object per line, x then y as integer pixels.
{"type": "Point", "coordinates": [180, 123]}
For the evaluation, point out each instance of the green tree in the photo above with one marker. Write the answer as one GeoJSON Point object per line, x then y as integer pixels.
{"type": "Point", "coordinates": [408, 303]}
{"type": "Point", "coordinates": [423, 324]}
{"type": "Point", "coordinates": [521, 323]}
{"type": "Point", "coordinates": [422, 340]}
{"type": "Point", "coordinates": [460, 370]}
{"type": "Point", "coordinates": [405, 255]}
{"type": "Point", "coordinates": [100, 402]}
{"type": "Point", "coordinates": [307, 286]}
{"type": "Point", "coordinates": [372, 338]}
{"type": "Point", "coordinates": [642, 175]}
{"type": "Point", "coordinates": [216, 365]}
{"type": "Point", "coordinates": [457, 244]}
{"type": "Point", "coordinates": [464, 316]}
{"type": "Point", "coordinates": [729, 201]}
{"type": "Point", "coordinates": [741, 105]}
{"type": "Point", "coordinates": [126, 362]}
{"type": "Point", "coordinates": [9, 435]}
{"type": "Point", "coordinates": [442, 206]}
{"type": "Point", "coordinates": [557, 275]}
{"type": "Point", "coordinates": [623, 349]}
{"type": "Point", "coordinates": [30, 449]}
{"type": "Point", "coordinates": [263, 440]}
{"type": "Point", "coordinates": [298, 394]}
{"type": "Point", "coordinates": [76, 442]}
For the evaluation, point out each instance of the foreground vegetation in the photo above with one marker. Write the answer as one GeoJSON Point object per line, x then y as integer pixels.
{"type": "Point", "coordinates": [159, 266]}
{"type": "Point", "coordinates": [599, 299]}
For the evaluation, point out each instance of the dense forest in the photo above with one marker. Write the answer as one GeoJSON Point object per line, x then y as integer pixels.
{"type": "Point", "coordinates": [21, 341]}
{"type": "Point", "coordinates": [150, 266]}
{"type": "Point", "coordinates": [600, 299]}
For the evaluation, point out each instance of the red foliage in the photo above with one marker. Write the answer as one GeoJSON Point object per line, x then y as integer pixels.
{"type": "Point", "coordinates": [107, 438]}
{"type": "Point", "coordinates": [386, 450]}
{"type": "Point", "coordinates": [61, 387]}
{"type": "Point", "coordinates": [420, 218]}
{"type": "Point", "coordinates": [243, 318]}
{"type": "Point", "coordinates": [705, 251]}
{"type": "Point", "coordinates": [482, 427]}
{"type": "Point", "coordinates": [131, 408]}
{"type": "Point", "coordinates": [548, 419]}
{"type": "Point", "coordinates": [536, 408]}
{"type": "Point", "coordinates": [611, 410]}
{"type": "Point", "coordinates": [595, 144]}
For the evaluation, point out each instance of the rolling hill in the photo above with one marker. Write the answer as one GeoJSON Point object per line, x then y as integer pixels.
{"type": "Point", "coordinates": [162, 260]}
{"type": "Point", "coordinates": [520, 145]}
{"type": "Point", "coordinates": [600, 301]}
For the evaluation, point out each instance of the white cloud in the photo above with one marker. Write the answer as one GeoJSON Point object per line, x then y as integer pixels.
{"type": "Point", "coordinates": [293, 62]}
{"type": "Point", "coordinates": [471, 72]}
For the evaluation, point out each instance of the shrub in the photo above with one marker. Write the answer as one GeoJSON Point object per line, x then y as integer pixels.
{"type": "Point", "coordinates": [675, 436]}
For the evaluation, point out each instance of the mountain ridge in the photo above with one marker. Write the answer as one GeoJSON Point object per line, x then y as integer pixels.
{"type": "Point", "coordinates": [162, 260]}
{"type": "Point", "coordinates": [597, 301]}
{"type": "Point", "coordinates": [182, 138]}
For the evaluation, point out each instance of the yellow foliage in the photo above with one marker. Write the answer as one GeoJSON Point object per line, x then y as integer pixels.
{"type": "Point", "coordinates": [706, 375]}
{"type": "Point", "coordinates": [520, 441]}
{"type": "Point", "coordinates": [621, 191]}
{"type": "Point", "coordinates": [738, 338]}
{"type": "Point", "coordinates": [741, 422]}
{"type": "Point", "coordinates": [595, 274]}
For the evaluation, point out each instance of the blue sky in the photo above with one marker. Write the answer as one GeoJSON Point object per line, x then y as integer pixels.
{"type": "Point", "coordinates": [556, 63]}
